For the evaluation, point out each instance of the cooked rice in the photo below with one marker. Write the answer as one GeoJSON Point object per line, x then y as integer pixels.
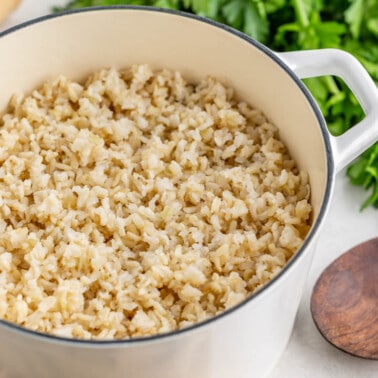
{"type": "Point", "coordinates": [137, 204]}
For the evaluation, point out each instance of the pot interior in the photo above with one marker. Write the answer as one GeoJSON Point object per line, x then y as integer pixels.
{"type": "Point", "coordinates": [79, 43]}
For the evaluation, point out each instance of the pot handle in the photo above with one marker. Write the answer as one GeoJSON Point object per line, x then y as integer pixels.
{"type": "Point", "coordinates": [311, 63]}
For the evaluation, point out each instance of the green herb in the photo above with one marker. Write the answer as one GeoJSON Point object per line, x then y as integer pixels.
{"type": "Point", "coordinates": [286, 25]}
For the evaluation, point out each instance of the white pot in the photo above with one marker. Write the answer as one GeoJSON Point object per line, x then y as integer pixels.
{"type": "Point", "coordinates": [247, 340]}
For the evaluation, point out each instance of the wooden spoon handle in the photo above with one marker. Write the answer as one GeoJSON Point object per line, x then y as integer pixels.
{"type": "Point", "coordinates": [6, 7]}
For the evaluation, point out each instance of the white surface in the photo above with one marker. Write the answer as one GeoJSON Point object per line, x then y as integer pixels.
{"type": "Point", "coordinates": [308, 355]}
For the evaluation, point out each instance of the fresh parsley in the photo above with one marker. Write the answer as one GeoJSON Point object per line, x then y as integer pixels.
{"type": "Point", "coordinates": [286, 25]}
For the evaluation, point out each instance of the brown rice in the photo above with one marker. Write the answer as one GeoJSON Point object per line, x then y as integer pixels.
{"type": "Point", "coordinates": [137, 204]}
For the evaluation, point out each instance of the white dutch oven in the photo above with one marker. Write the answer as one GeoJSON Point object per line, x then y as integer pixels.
{"type": "Point", "coordinates": [245, 341]}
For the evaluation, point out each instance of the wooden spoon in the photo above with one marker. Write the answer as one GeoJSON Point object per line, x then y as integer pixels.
{"type": "Point", "coordinates": [6, 7]}
{"type": "Point", "coordinates": [344, 302]}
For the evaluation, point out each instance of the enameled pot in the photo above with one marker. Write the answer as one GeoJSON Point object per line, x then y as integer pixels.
{"type": "Point", "coordinates": [247, 340]}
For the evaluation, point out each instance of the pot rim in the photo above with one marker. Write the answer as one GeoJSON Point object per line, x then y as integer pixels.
{"type": "Point", "coordinates": [292, 262]}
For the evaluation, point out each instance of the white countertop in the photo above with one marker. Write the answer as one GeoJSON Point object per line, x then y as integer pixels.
{"type": "Point", "coordinates": [308, 355]}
